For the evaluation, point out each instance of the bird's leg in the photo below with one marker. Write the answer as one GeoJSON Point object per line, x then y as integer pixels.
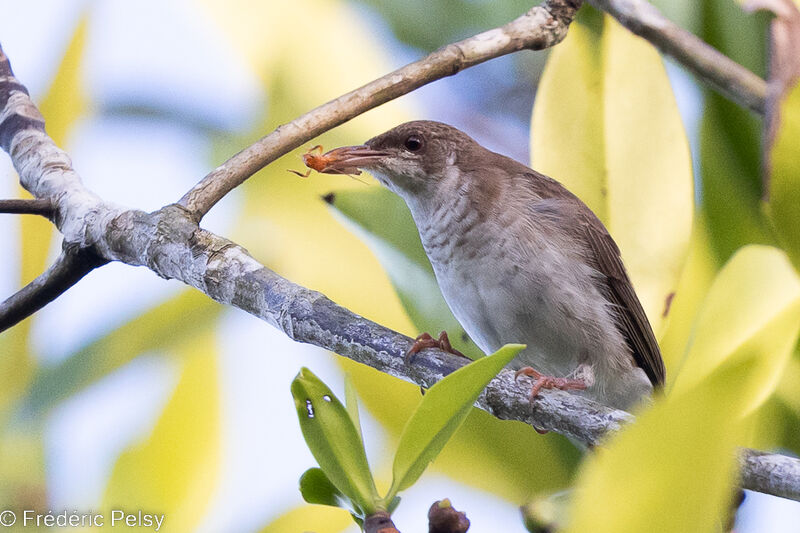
{"type": "Point", "coordinates": [540, 381]}
{"type": "Point", "coordinates": [426, 341]}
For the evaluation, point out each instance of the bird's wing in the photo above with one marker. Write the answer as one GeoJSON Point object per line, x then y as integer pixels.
{"type": "Point", "coordinates": [605, 257]}
{"type": "Point", "coordinates": [630, 315]}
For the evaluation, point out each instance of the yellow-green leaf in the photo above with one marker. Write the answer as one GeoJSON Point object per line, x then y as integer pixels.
{"type": "Point", "coordinates": [698, 274]}
{"type": "Point", "coordinates": [175, 471]}
{"type": "Point", "coordinates": [672, 470]}
{"type": "Point", "coordinates": [754, 301]}
{"type": "Point", "coordinates": [606, 125]}
{"type": "Point", "coordinates": [351, 404]}
{"type": "Point", "coordinates": [784, 195]}
{"type": "Point", "coordinates": [310, 518]}
{"type": "Point", "coordinates": [442, 410]}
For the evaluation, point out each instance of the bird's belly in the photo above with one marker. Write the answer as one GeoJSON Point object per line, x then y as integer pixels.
{"type": "Point", "coordinates": [498, 307]}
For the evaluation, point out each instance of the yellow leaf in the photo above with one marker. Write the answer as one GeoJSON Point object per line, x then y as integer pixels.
{"type": "Point", "coordinates": [66, 100]}
{"type": "Point", "coordinates": [567, 129]}
{"type": "Point", "coordinates": [698, 274]}
{"type": "Point", "coordinates": [605, 124]}
{"type": "Point", "coordinates": [754, 301]}
{"type": "Point", "coordinates": [672, 470]}
{"type": "Point", "coordinates": [517, 466]}
{"type": "Point", "coordinates": [316, 518]}
{"type": "Point", "coordinates": [176, 470]}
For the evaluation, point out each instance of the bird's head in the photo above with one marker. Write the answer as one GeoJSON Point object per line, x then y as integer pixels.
{"type": "Point", "coordinates": [409, 159]}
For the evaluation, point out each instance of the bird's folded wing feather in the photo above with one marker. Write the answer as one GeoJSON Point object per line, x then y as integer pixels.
{"type": "Point", "coordinates": [605, 257]}
{"type": "Point", "coordinates": [632, 319]}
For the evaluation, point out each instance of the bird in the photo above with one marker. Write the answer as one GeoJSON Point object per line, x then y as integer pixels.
{"type": "Point", "coordinates": [518, 259]}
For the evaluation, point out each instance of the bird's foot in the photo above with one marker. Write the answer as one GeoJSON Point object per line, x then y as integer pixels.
{"type": "Point", "coordinates": [540, 381]}
{"type": "Point", "coordinates": [426, 341]}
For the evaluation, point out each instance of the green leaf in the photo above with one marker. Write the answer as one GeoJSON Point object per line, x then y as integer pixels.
{"type": "Point", "coordinates": [455, 19]}
{"type": "Point", "coordinates": [754, 301]}
{"type": "Point", "coordinates": [382, 220]}
{"type": "Point", "coordinates": [605, 123]}
{"type": "Point", "coordinates": [351, 404]}
{"type": "Point", "coordinates": [334, 441]}
{"type": "Point", "coordinates": [317, 488]}
{"type": "Point", "coordinates": [442, 410]}
{"type": "Point", "coordinates": [784, 195]}
{"type": "Point", "coordinates": [730, 136]}
{"type": "Point", "coordinates": [730, 167]}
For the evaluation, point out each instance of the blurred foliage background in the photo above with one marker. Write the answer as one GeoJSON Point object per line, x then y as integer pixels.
{"type": "Point", "coordinates": [131, 391]}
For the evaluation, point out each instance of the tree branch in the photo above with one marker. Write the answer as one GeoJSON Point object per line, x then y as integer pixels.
{"type": "Point", "coordinates": [70, 267]}
{"type": "Point", "coordinates": [713, 67]}
{"type": "Point", "coordinates": [541, 27]}
{"type": "Point", "coordinates": [29, 206]}
{"type": "Point", "coordinates": [770, 473]}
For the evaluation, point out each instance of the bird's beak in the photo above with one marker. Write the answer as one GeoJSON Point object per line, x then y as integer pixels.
{"type": "Point", "coordinates": [348, 159]}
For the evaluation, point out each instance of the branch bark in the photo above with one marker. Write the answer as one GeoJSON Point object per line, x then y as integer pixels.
{"type": "Point", "coordinates": [724, 75]}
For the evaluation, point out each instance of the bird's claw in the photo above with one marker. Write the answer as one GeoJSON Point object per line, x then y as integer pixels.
{"type": "Point", "coordinates": [540, 381]}
{"type": "Point", "coordinates": [426, 341]}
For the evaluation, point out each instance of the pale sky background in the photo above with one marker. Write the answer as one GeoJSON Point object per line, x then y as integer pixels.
{"type": "Point", "coordinates": [86, 434]}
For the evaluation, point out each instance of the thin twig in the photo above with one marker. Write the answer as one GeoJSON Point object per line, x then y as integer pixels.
{"type": "Point", "coordinates": [31, 206]}
{"type": "Point", "coordinates": [69, 268]}
{"type": "Point", "coordinates": [541, 27]}
{"type": "Point", "coordinates": [713, 67]}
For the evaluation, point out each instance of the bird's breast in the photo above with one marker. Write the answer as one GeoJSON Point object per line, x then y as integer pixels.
{"type": "Point", "coordinates": [506, 283]}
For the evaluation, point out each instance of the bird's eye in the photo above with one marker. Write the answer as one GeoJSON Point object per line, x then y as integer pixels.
{"type": "Point", "coordinates": [413, 143]}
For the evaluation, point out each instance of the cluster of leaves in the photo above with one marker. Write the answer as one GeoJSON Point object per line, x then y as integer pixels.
{"type": "Point", "coordinates": [333, 433]}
